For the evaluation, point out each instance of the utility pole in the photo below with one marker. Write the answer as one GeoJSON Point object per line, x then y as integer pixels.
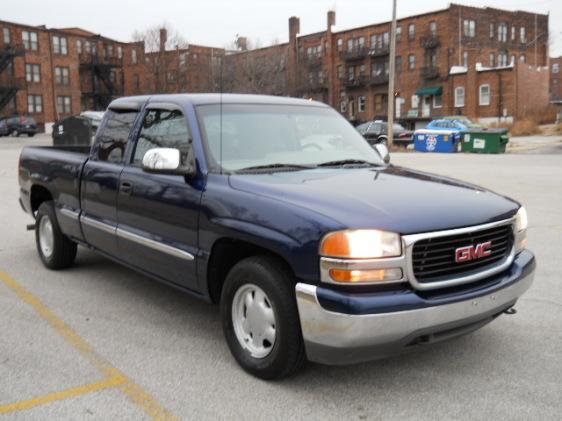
{"type": "Point", "coordinates": [391, 64]}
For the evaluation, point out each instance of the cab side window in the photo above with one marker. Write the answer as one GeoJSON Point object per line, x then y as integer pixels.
{"type": "Point", "coordinates": [112, 140]}
{"type": "Point", "coordinates": [164, 129]}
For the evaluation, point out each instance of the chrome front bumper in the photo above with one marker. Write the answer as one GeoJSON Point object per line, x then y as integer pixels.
{"type": "Point", "coordinates": [339, 338]}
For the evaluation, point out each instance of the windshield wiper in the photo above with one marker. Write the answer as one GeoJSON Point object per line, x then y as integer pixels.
{"type": "Point", "coordinates": [277, 166]}
{"type": "Point", "coordinates": [342, 162]}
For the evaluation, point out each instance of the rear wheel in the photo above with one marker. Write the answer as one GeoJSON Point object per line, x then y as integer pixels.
{"type": "Point", "coordinates": [31, 134]}
{"type": "Point", "coordinates": [55, 249]}
{"type": "Point", "coordinates": [260, 318]}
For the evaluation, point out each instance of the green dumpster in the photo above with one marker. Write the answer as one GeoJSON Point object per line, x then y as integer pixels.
{"type": "Point", "coordinates": [484, 140]}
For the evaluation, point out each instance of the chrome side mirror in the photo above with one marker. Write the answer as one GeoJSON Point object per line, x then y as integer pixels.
{"type": "Point", "coordinates": [382, 150]}
{"type": "Point", "coordinates": [165, 161]}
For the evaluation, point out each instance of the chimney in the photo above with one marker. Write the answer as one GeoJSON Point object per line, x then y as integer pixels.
{"type": "Point", "coordinates": [242, 43]}
{"type": "Point", "coordinates": [294, 27]}
{"type": "Point", "coordinates": [331, 18]}
{"type": "Point", "coordinates": [292, 62]}
{"type": "Point", "coordinates": [163, 39]}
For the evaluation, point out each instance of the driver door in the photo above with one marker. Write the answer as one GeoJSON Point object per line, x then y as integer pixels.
{"type": "Point", "coordinates": [158, 214]}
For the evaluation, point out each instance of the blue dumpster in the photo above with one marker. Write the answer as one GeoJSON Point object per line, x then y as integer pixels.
{"type": "Point", "coordinates": [426, 140]}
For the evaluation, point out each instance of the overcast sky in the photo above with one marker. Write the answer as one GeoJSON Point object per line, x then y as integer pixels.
{"type": "Point", "coordinates": [216, 22]}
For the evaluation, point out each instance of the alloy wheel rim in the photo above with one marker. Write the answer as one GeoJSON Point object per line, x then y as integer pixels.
{"type": "Point", "coordinates": [253, 320]}
{"type": "Point", "coordinates": [46, 237]}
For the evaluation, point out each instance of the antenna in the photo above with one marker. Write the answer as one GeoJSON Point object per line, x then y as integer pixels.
{"type": "Point", "coordinates": [220, 112]}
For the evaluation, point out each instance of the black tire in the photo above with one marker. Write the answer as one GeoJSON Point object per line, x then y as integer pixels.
{"type": "Point", "coordinates": [30, 134]}
{"type": "Point", "coordinates": [63, 251]}
{"type": "Point", "coordinates": [14, 133]}
{"type": "Point", "coordinates": [287, 355]}
{"type": "Point", "coordinates": [383, 140]}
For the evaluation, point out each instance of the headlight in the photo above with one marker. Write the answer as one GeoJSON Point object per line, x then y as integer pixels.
{"type": "Point", "coordinates": [361, 244]}
{"type": "Point", "coordinates": [521, 221]}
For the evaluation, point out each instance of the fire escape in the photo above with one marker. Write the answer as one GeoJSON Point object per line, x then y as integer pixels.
{"type": "Point", "coordinates": [9, 85]}
{"type": "Point", "coordinates": [99, 80]}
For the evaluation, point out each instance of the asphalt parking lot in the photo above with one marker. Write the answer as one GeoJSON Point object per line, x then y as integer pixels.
{"type": "Point", "coordinates": [99, 341]}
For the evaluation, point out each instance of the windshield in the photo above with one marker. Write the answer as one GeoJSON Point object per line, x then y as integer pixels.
{"type": "Point", "coordinates": [261, 135]}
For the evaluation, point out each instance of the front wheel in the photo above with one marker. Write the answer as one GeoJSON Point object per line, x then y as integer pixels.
{"type": "Point", "coordinates": [55, 249]}
{"type": "Point", "coordinates": [14, 133]}
{"type": "Point", "coordinates": [260, 318]}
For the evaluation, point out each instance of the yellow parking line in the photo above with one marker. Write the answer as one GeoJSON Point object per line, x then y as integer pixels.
{"type": "Point", "coordinates": [63, 394]}
{"type": "Point", "coordinates": [134, 392]}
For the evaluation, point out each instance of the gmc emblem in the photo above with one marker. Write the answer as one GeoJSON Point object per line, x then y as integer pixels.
{"type": "Point", "coordinates": [468, 253]}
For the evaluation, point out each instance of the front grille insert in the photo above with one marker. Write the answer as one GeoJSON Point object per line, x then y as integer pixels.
{"type": "Point", "coordinates": [433, 259]}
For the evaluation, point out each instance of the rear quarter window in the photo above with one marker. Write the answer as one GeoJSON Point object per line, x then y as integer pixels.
{"type": "Point", "coordinates": [112, 139]}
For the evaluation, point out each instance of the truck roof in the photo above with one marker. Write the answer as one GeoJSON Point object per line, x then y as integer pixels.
{"type": "Point", "coordinates": [215, 98]}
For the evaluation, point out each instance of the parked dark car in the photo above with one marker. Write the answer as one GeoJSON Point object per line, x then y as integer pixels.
{"type": "Point", "coordinates": [377, 132]}
{"type": "Point", "coordinates": [24, 124]}
{"type": "Point", "coordinates": [3, 128]}
{"type": "Point", "coordinates": [277, 210]}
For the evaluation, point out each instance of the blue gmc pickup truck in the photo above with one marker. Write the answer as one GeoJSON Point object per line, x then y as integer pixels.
{"type": "Point", "coordinates": [280, 212]}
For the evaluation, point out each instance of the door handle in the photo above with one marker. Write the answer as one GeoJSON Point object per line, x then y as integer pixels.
{"type": "Point", "coordinates": [126, 187]}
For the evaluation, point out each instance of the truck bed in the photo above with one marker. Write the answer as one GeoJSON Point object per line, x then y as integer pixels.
{"type": "Point", "coordinates": [57, 169]}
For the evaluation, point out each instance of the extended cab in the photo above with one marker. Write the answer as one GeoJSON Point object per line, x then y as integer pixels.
{"type": "Point", "coordinates": [279, 211]}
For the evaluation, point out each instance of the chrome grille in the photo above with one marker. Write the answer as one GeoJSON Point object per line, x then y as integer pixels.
{"type": "Point", "coordinates": [433, 259]}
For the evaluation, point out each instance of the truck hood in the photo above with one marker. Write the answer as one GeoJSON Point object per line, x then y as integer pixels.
{"type": "Point", "coordinates": [392, 199]}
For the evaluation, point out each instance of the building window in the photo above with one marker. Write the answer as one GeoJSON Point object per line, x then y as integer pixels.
{"type": "Point", "coordinates": [378, 102]}
{"type": "Point", "coordinates": [79, 46]}
{"type": "Point", "coordinates": [134, 56]}
{"type": "Point", "coordinates": [64, 105]}
{"type": "Point", "coordinates": [87, 47]}
{"type": "Point", "coordinates": [513, 33]}
{"type": "Point", "coordinates": [555, 68]}
{"type": "Point", "coordinates": [385, 39]}
{"type": "Point", "coordinates": [361, 42]}
{"type": "Point", "coordinates": [351, 73]}
{"type": "Point", "coordinates": [398, 33]}
{"type": "Point", "coordinates": [398, 64]}
{"type": "Point", "coordinates": [523, 58]}
{"type": "Point", "coordinates": [492, 59]}
{"type": "Point", "coordinates": [351, 106]}
{"type": "Point", "coordinates": [119, 52]}
{"type": "Point", "coordinates": [340, 72]}
{"type": "Point", "coordinates": [33, 73]}
{"type": "Point", "coordinates": [484, 98]}
{"type": "Point", "coordinates": [502, 32]}
{"type": "Point", "coordinates": [411, 62]}
{"type": "Point", "coordinates": [433, 28]}
{"type": "Point", "coordinates": [6, 34]}
{"type": "Point", "coordinates": [340, 44]}
{"type": "Point", "coordinates": [411, 31]}
{"type": "Point", "coordinates": [183, 59]}
{"type": "Point", "coordinates": [109, 50]}
{"type": "Point", "coordinates": [502, 59]}
{"type": "Point", "coordinates": [437, 101]}
{"type": "Point", "coordinates": [350, 44]}
{"type": "Point", "coordinates": [492, 30]}
{"type": "Point", "coordinates": [343, 106]}
{"type": "Point", "coordinates": [60, 45]}
{"type": "Point", "coordinates": [361, 104]}
{"type": "Point", "coordinates": [29, 40]}
{"type": "Point", "coordinates": [465, 59]}
{"type": "Point", "coordinates": [522, 35]}
{"type": "Point", "coordinates": [415, 101]}
{"type": "Point", "coordinates": [34, 104]}
{"type": "Point", "coordinates": [62, 75]}
{"type": "Point", "coordinates": [512, 61]}
{"type": "Point", "coordinates": [459, 96]}
{"type": "Point", "coordinates": [469, 28]}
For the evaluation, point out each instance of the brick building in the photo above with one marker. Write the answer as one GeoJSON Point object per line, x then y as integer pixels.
{"type": "Point", "coordinates": [481, 62]}
{"type": "Point", "coordinates": [485, 63]}
{"type": "Point", "coordinates": [52, 73]}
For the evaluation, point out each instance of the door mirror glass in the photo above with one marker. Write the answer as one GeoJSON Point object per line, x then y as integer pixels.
{"type": "Point", "coordinates": [383, 152]}
{"type": "Point", "coordinates": [164, 161]}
